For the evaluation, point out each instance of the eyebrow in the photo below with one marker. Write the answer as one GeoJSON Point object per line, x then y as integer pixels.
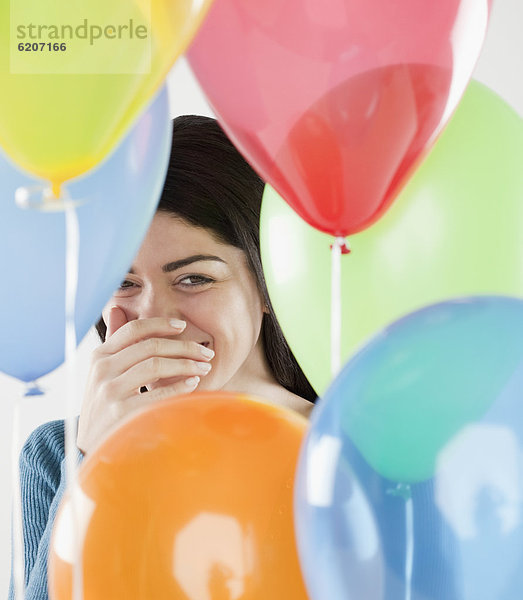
{"type": "Point", "coordinates": [183, 262]}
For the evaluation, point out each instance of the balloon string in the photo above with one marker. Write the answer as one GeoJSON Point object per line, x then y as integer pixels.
{"type": "Point", "coordinates": [18, 534]}
{"type": "Point", "coordinates": [71, 452]}
{"type": "Point", "coordinates": [409, 550]}
{"type": "Point", "coordinates": [336, 252]}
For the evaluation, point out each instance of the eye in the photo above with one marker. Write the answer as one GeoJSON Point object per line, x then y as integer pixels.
{"type": "Point", "coordinates": [194, 281]}
{"type": "Point", "coordinates": [126, 284]}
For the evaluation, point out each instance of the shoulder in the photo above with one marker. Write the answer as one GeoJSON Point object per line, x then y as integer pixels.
{"type": "Point", "coordinates": [44, 450]}
{"type": "Point", "coordinates": [298, 404]}
{"type": "Point", "coordinates": [46, 439]}
{"type": "Point", "coordinates": [277, 394]}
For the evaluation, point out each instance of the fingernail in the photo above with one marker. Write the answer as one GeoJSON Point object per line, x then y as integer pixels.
{"type": "Point", "coordinates": [203, 367]}
{"type": "Point", "coordinates": [177, 324]}
{"type": "Point", "coordinates": [192, 381]}
{"type": "Point", "coordinates": [207, 352]}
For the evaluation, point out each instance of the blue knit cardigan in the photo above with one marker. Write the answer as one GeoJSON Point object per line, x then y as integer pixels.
{"type": "Point", "coordinates": [42, 475]}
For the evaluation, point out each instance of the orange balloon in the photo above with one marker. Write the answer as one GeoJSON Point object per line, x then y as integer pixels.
{"type": "Point", "coordinates": [190, 500]}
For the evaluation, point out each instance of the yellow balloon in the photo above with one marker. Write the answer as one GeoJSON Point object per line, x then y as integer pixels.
{"type": "Point", "coordinates": [75, 75]}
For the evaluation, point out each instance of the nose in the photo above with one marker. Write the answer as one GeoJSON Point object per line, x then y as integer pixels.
{"type": "Point", "coordinates": [157, 302]}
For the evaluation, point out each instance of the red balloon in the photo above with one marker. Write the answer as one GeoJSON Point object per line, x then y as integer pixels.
{"type": "Point", "coordinates": [335, 103]}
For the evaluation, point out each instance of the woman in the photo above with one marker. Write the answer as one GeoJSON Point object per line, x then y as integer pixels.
{"type": "Point", "coordinates": [193, 313]}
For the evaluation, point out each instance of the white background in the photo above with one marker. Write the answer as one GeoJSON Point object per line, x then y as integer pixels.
{"type": "Point", "coordinates": [500, 67]}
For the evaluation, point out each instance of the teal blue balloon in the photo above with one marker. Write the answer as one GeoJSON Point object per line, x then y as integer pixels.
{"type": "Point", "coordinates": [410, 479]}
{"type": "Point", "coordinates": [117, 203]}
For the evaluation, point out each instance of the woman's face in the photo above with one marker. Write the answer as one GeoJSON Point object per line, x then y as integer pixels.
{"type": "Point", "coordinates": [182, 272]}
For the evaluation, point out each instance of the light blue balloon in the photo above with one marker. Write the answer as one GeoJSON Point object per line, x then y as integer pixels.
{"type": "Point", "coordinates": [446, 384]}
{"type": "Point", "coordinates": [118, 201]}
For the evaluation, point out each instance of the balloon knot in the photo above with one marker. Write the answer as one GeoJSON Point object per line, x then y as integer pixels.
{"type": "Point", "coordinates": [402, 490]}
{"type": "Point", "coordinates": [33, 389]}
{"type": "Point", "coordinates": [343, 247]}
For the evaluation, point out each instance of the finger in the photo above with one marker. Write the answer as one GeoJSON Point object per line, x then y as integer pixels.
{"type": "Point", "coordinates": [115, 319]}
{"type": "Point", "coordinates": [160, 347]}
{"type": "Point", "coordinates": [139, 329]}
{"type": "Point", "coordinates": [122, 361]}
{"type": "Point", "coordinates": [186, 386]}
{"type": "Point", "coordinates": [153, 369]}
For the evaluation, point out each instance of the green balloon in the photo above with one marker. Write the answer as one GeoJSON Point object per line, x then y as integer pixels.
{"type": "Point", "coordinates": [456, 230]}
